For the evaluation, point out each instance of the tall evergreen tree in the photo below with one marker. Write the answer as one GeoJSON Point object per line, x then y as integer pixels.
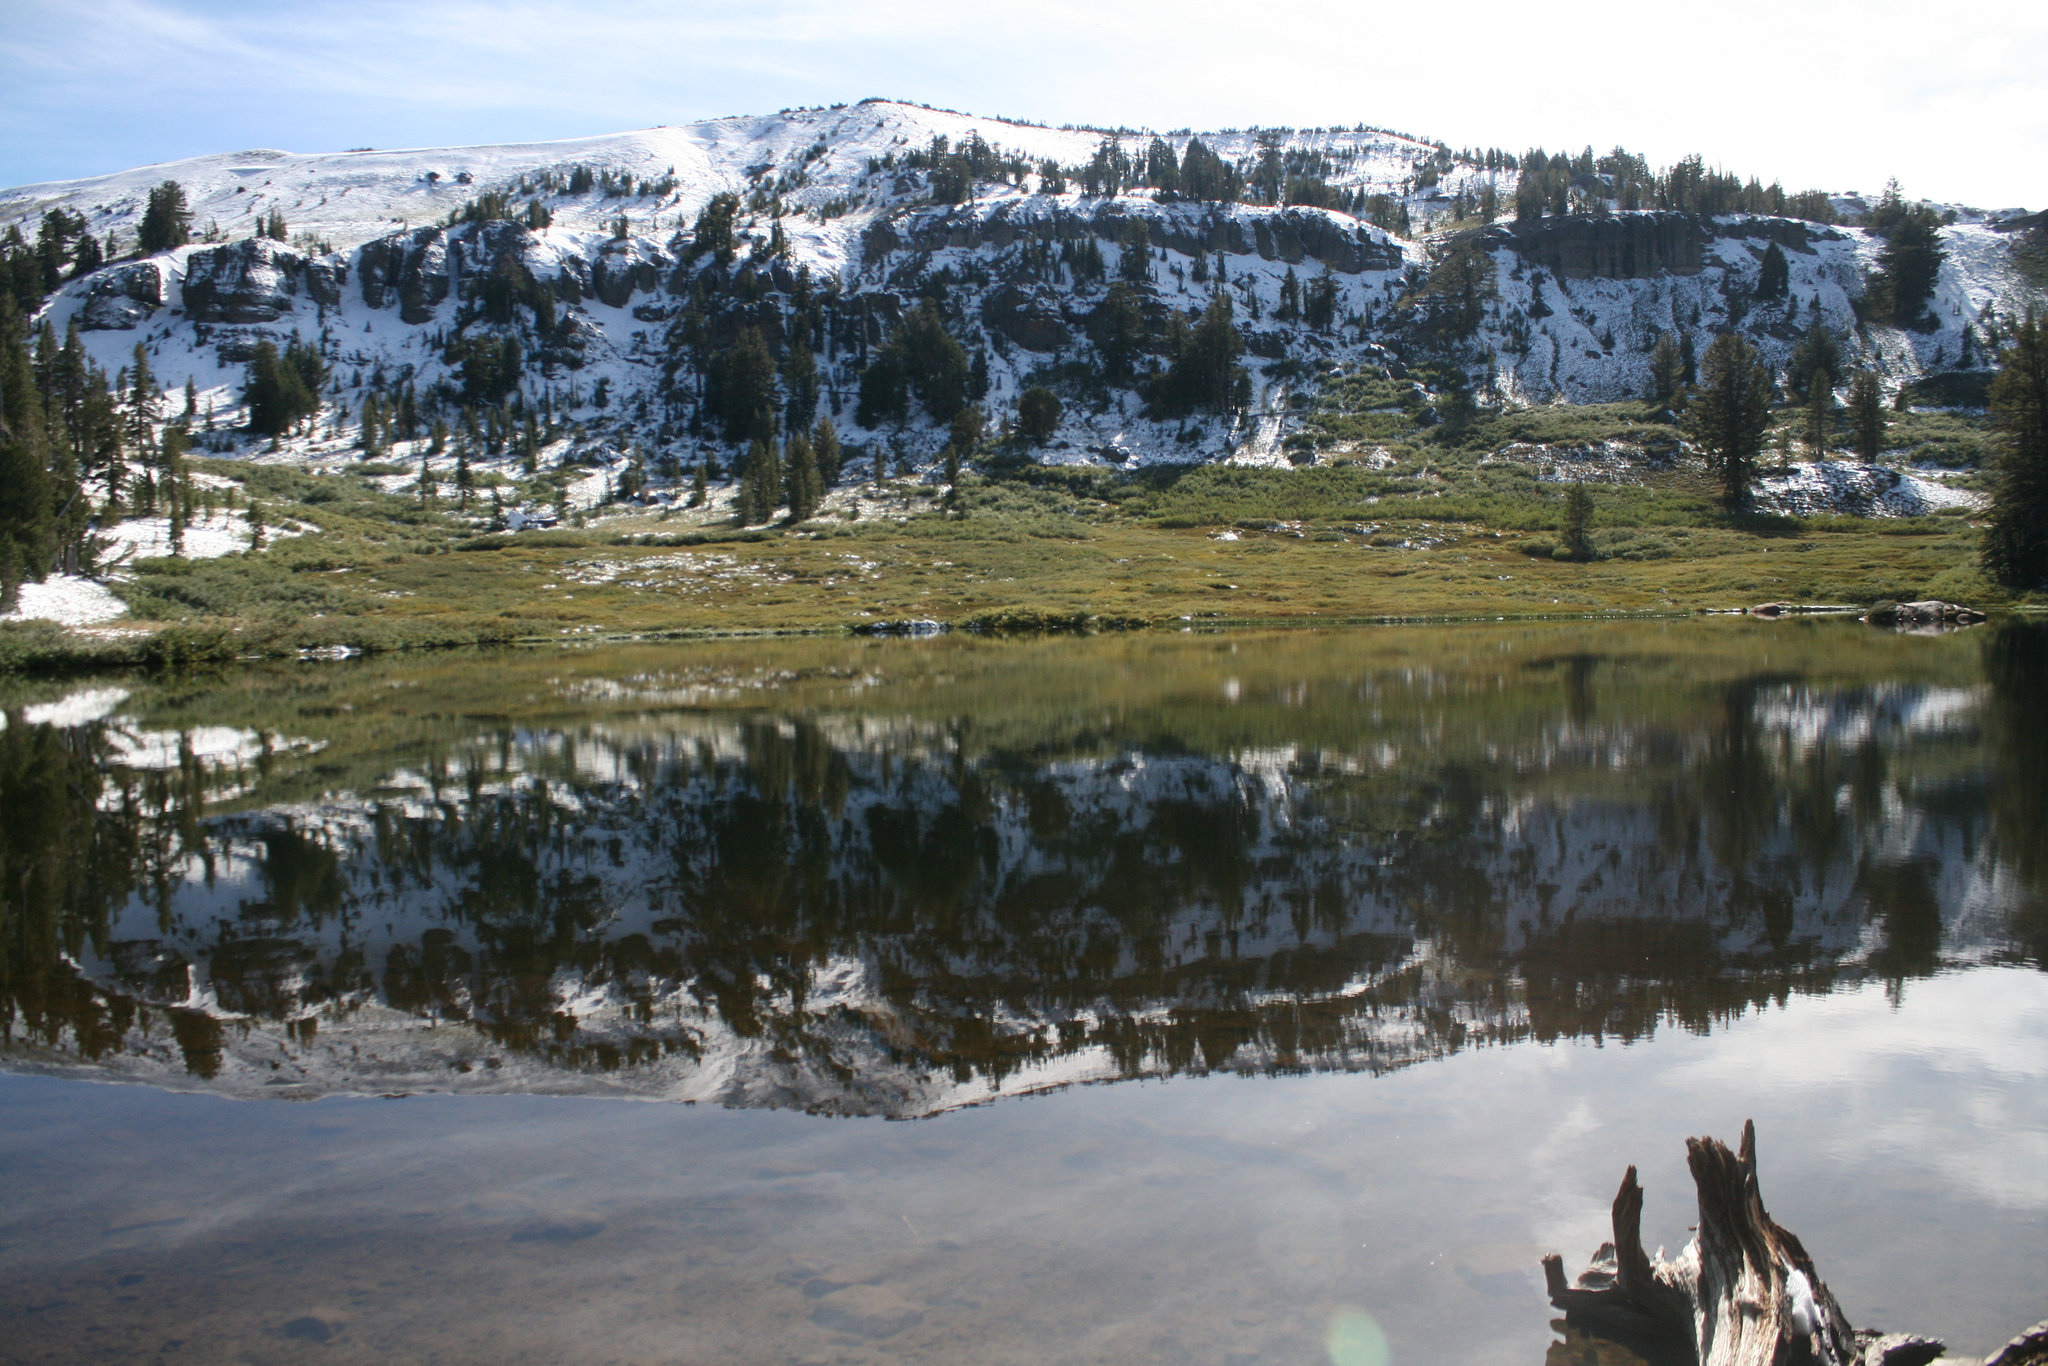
{"type": "Point", "coordinates": [1038, 414]}
{"type": "Point", "coordinates": [166, 222]}
{"type": "Point", "coordinates": [1773, 275]}
{"type": "Point", "coordinates": [144, 407]}
{"type": "Point", "coordinates": [1289, 309]}
{"type": "Point", "coordinates": [1576, 530]}
{"type": "Point", "coordinates": [713, 232]}
{"type": "Point", "coordinates": [741, 389]}
{"type": "Point", "coordinates": [2015, 547]}
{"type": "Point", "coordinates": [1818, 352]}
{"type": "Point", "coordinates": [801, 489]}
{"type": "Point", "coordinates": [1135, 264]}
{"type": "Point", "coordinates": [800, 383]}
{"type": "Point", "coordinates": [1820, 413]}
{"type": "Point", "coordinates": [1729, 413]}
{"type": "Point", "coordinates": [1118, 325]}
{"type": "Point", "coordinates": [276, 389]}
{"type": "Point", "coordinates": [1866, 414]}
{"type": "Point", "coordinates": [172, 485]}
{"type": "Point", "coordinates": [1909, 263]}
{"type": "Point", "coordinates": [1319, 301]}
{"type": "Point", "coordinates": [27, 540]}
{"type": "Point", "coordinates": [1667, 371]}
{"type": "Point", "coordinates": [935, 364]}
{"type": "Point", "coordinates": [825, 447]}
{"type": "Point", "coordinates": [1205, 374]}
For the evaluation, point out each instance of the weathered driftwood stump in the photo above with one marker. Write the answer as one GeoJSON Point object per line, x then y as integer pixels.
{"type": "Point", "coordinates": [1742, 1293]}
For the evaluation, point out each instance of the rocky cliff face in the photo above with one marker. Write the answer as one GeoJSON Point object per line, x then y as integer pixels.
{"type": "Point", "coordinates": [1636, 246]}
{"type": "Point", "coordinates": [256, 281]}
{"type": "Point", "coordinates": [1292, 236]}
{"type": "Point", "coordinates": [119, 299]}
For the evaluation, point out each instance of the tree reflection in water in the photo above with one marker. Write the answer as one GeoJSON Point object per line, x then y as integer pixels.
{"type": "Point", "coordinates": [896, 900]}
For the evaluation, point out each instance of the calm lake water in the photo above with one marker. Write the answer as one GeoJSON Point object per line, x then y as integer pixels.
{"type": "Point", "coordinates": [1256, 997]}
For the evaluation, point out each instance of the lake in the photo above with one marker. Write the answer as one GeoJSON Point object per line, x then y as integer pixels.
{"type": "Point", "coordinates": [1248, 997]}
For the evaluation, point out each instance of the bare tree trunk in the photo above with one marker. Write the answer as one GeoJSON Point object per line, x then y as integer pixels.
{"type": "Point", "coordinates": [1744, 1292]}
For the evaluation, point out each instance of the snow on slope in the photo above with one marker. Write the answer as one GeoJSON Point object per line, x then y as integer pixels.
{"type": "Point", "coordinates": [347, 198]}
{"type": "Point", "coordinates": [874, 234]}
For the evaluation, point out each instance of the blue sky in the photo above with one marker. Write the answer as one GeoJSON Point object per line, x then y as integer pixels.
{"type": "Point", "coordinates": [1830, 94]}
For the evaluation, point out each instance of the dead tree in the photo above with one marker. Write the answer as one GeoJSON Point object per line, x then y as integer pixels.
{"type": "Point", "coordinates": [1742, 1293]}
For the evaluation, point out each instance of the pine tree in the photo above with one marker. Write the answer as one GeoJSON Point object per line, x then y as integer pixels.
{"type": "Point", "coordinates": [1818, 352]}
{"type": "Point", "coordinates": [713, 232]}
{"type": "Point", "coordinates": [1118, 325]}
{"type": "Point", "coordinates": [966, 429]}
{"type": "Point", "coordinates": [1820, 412]}
{"type": "Point", "coordinates": [1136, 262]}
{"type": "Point", "coordinates": [757, 477]}
{"type": "Point", "coordinates": [1576, 531]}
{"type": "Point", "coordinates": [27, 540]}
{"type": "Point", "coordinates": [143, 407]}
{"type": "Point", "coordinates": [2015, 547]}
{"type": "Point", "coordinates": [1909, 263]}
{"type": "Point", "coordinates": [700, 485]}
{"type": "Point", "coordinates": [1866, 414]}
{"type": "Point", "coordinates": [176, 495]}
{"type": "Point", "coordinates": [372, 411]}
{"type": "Point", "coordinates": [1774, 275]}
{"type": "Point", "coordinates": [166, 222]}
{"type": "Point", "coordinates": [740, 389]}
{"type": "Point", "coordinates": [825, 446]}
{"type": "Point", "coordinates": [1319, 301]}
{"type": "Point", "coordinates": [282, 390]}
{"type": "Point", "coordinates": [800, 478]}
{"type": "Point", "coordinates": [1729, 413]}
{"type": "Point", "coordinates": [1667, 372]}
{"type": "Point", "coordinates": [800, 383]}
{"type": "Point", "coordinates": [1038, 414]}
{"type": "Point", "coordinates": [1290, 298]}
{"type": "Point", "coordinates": [1205, 374]}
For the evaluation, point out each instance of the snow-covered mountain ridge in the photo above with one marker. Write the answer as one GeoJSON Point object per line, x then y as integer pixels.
{"type": "Point", "coordinates": [620, 316]}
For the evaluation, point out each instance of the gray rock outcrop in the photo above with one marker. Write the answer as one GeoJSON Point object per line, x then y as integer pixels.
{"type": "Point", "coordinates": [252, 281]}
{"type": "Point", "coordinates": [1292, 235]}
{"type": "Point", "coordinates": [120, 298]}
{"type": "Point", "coordinates": [1624, 246]}
{"type": "Point", "coordinates": [409, 267]}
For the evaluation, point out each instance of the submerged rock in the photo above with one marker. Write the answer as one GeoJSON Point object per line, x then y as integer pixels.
{"type": "Point", "coordinates": [1928, 612]}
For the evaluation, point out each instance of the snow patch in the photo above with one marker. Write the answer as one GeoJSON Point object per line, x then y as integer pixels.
{"type": "Point", "coordinates": [77, 709]}
{"type": "Point", "coordinates": [67, 600]}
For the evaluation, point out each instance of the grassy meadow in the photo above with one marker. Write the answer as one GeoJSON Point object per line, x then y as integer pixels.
{"type": "Point", "coordinates": [1377, 517]}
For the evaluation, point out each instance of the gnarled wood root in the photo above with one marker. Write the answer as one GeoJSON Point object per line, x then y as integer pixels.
{"type": "Point", "coordinates": [1742, 1293]}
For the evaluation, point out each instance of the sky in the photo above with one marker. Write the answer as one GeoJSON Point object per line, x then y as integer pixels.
{"type": "Point", "coordinates": [1825, 94]}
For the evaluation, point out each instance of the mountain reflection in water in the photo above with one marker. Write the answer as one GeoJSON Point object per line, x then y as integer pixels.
{"type": "Point", "coordinates": [895, 878]}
